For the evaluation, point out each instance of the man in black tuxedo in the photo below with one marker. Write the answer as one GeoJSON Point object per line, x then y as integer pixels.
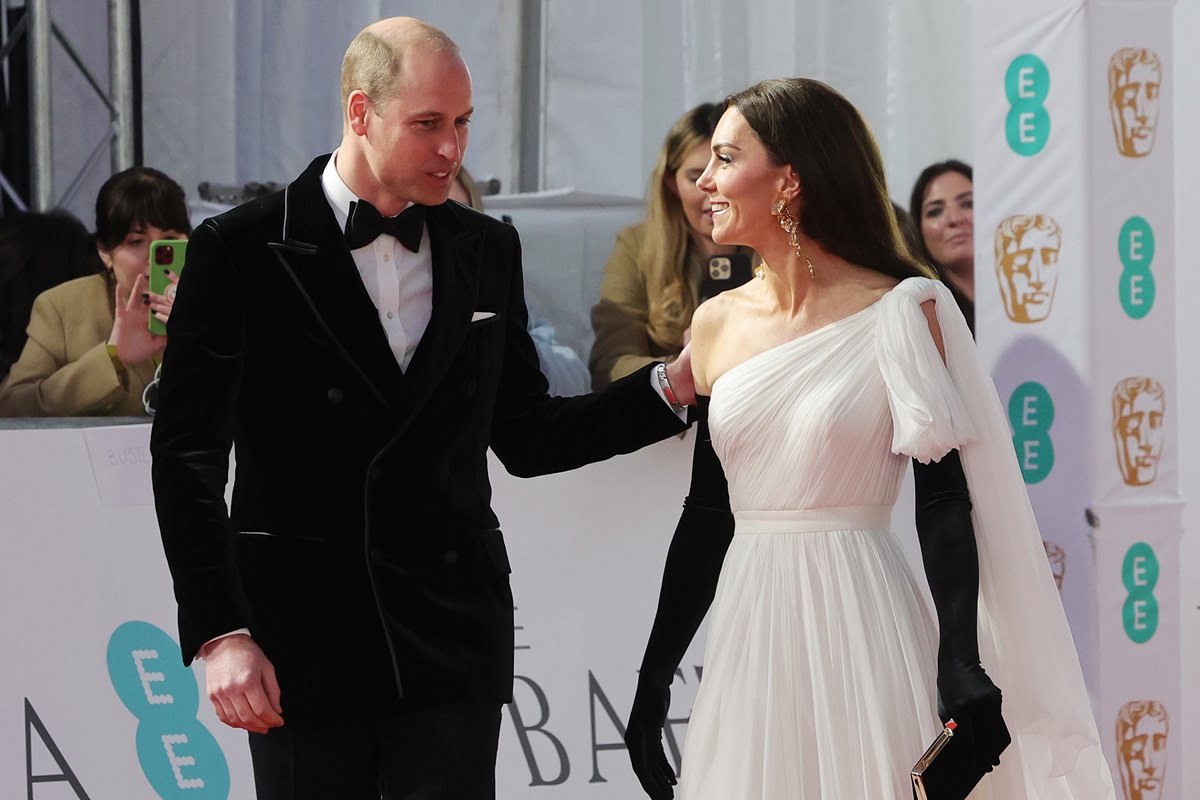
{"type": "Point", "coordinates": [361, 366]}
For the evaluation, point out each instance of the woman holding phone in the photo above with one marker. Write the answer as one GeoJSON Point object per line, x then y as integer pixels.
{"type": "Point", "coordinates": [652, 282]}
{"type": "Point", "coordinates": [90, 351]}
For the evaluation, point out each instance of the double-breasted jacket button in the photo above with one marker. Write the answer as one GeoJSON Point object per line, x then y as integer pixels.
{"type": "Point", "coordinates": [451, 557]}
{"type": "Point", "coordinates": [335, 395]}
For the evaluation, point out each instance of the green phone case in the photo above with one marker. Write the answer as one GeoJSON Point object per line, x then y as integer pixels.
{"type": "Point", "coordinates": [165, 254]}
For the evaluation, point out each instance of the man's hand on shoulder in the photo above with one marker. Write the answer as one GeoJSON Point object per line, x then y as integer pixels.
{"type": "Point", "coordinates": [679, 373]}
{"type": "Point", "coordinates": [242, 685]}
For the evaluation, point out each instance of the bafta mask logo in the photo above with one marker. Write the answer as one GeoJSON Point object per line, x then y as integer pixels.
{"type": "Point", "coordinates": [1027, 248]}
{"type": "Point", "coordinates": [1142, 749]}
{"type": "Point", "coordinates": [1134, 83]}
{"type": "Point", "coordinates": [1058, 562]}
{"type": "Point", "coordinates": [1138, 408]}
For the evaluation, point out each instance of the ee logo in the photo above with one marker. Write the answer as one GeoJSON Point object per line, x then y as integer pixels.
{"type": "Point", "coordinates": [1135, 244]}
{"type": "Point", "coordinates": [1026, 84]}
{"type": "Point", "coordinates": [179, 756]}
{"type": "Point", "coordinates": [1139, 573]}
{"type": "Point", "coordinates": [1031, 413]}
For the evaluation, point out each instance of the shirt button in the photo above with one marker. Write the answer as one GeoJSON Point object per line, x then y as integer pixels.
{"type": "Point", "coordinates": [387, 257]}
{"type": "Point", "coordinates": [390, 315]}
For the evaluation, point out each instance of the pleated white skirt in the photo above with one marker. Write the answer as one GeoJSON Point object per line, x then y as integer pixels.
{"type": "Point", "coordinates": [820, 665]}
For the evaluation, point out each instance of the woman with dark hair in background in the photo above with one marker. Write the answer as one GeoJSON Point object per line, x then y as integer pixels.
{"type": "Point", "coordinates": [90, 351]}
{"type": "Point", "coordinates": [652, 280]}
{"type": "Point", "coordinates": [37, 251]}
{"type": "Point", "coordinates": [943, 210]}
{"type": "Point", "coordinates": [824, 674]}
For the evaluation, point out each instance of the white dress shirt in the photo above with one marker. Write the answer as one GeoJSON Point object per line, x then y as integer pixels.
{"type": "Point", "coordinates": [399, 282]}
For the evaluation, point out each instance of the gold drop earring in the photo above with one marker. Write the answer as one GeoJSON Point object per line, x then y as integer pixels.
{"type": "Point", "coordinates": [792, 226]}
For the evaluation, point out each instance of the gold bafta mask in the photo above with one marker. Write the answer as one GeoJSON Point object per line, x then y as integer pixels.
{"type": "Point", "coordinates": [1027, 248]}
{"type": "Point", "coordinates": [1134, 83]}
{"type": "Point", "coordinates": [1142, 749]}
{"type": "Point", "coordinates": [1138, 408]}
{"type": "Point", "coordinates": [1058, 562]}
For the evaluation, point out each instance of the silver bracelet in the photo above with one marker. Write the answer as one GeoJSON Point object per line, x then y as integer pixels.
{"type": "Point", "coordinates": [664, 383]}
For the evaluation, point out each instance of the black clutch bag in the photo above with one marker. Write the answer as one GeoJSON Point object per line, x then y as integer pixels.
{"type": "Point", "coordinates": [947, 771]}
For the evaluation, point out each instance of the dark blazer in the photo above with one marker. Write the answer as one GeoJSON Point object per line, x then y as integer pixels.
{"type": "Point", "coordinates": [360, 547]}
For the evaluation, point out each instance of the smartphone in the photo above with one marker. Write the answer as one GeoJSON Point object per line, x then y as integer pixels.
{"type": "Point", "coordinates": [165, 254]}
{"type": "Point", "coordinates": [725, 272]}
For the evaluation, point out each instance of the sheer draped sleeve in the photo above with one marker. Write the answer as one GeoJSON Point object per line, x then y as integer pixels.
{"type": "Point", "coordinates": [929, 415]}
{"type": "Point", "coordinates": [1025, 643]}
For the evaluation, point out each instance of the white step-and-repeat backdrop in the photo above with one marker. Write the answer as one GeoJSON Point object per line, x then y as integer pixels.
{"type": "Point", "coordinates": [1075, 288]}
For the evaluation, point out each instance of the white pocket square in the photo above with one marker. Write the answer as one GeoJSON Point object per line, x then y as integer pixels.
{"type": "Point", "coordinates": [479, 316]}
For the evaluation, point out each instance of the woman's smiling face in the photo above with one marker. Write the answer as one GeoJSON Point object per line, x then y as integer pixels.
{"type": "Point", "coordinates": [742, 183]}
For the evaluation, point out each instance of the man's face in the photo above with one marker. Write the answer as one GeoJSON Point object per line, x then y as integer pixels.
{"type": "Point", "coordinates": [415, 147]}
{"type": "Point", "coordinates": [1139, 430]}
{"type": "Point", "coordinates": [1028, 274]}
{"type": "Point", "coordinates": [1134, 106]}
{"type": "Point", "coordinates": [1143, 758]}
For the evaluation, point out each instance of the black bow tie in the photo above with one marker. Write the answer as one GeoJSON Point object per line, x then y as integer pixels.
{"type": "Point", "coordinates": [365, 223]}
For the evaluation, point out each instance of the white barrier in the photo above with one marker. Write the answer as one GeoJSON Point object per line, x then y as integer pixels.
{"type": "Point", "coordinates": [90, 639]}
{"type": "Point", "coordinates": [88, 625]}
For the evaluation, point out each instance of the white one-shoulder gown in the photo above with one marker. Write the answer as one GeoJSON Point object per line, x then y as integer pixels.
{"type": "Point", "coordinates": [819, 668]}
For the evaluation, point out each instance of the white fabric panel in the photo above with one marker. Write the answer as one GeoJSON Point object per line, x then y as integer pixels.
{"type": "Point", "coordinates": [238, 92]}
{"type": "Point", "coordinates": [900, 62]}
{"type": "Point", "coordinates": [593, 96]}
{"type": "Point", "coordinates": [189, 109]}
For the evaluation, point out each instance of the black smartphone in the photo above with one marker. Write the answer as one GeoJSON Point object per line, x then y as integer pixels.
{"type": "Point", "coordinates": [725, 272]}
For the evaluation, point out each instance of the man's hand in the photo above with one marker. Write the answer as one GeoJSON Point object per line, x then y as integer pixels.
{"type": "Point", "coordinates": [241, 684]}
{"type": "Point", "coordinates": [679, 373]}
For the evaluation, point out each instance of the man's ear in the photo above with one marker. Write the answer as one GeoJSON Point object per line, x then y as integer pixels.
{"type": "Point", "coordinates": [358, 108]}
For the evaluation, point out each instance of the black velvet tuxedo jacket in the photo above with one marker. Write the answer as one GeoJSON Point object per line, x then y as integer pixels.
{"type": "Point", "coordinates": [360, 547]}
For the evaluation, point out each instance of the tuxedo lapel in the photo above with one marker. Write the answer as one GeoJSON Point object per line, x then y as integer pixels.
{"type": "Point", "coordinates": [457, 259]}
{"type": "Point", "coordinates": [314, 255]}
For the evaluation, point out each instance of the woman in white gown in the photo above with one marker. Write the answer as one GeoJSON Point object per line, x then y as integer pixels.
{"type": "Point", "coordinates": [824, 675]}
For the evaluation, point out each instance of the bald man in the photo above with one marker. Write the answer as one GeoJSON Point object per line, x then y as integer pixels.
{"type": "Point", "coordinates": [360, 342]}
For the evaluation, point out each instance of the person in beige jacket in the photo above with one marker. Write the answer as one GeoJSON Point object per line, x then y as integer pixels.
{"type": "Point", "coordinates": [89, 351]}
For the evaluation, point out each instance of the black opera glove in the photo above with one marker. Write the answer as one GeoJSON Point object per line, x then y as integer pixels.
{"type": "Point", "coordinates": [643, 739]}
{"type": "Point", "coordinates": [951, 558]}
{"type": "Point", "coordinates": [689, 582]}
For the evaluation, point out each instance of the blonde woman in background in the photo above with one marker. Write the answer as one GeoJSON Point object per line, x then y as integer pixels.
{"type": "Point", "coordinates": [652, 279]}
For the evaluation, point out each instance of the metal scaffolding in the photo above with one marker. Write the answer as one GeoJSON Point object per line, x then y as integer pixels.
{"type": "Point", "coordinates": [119, 137]}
